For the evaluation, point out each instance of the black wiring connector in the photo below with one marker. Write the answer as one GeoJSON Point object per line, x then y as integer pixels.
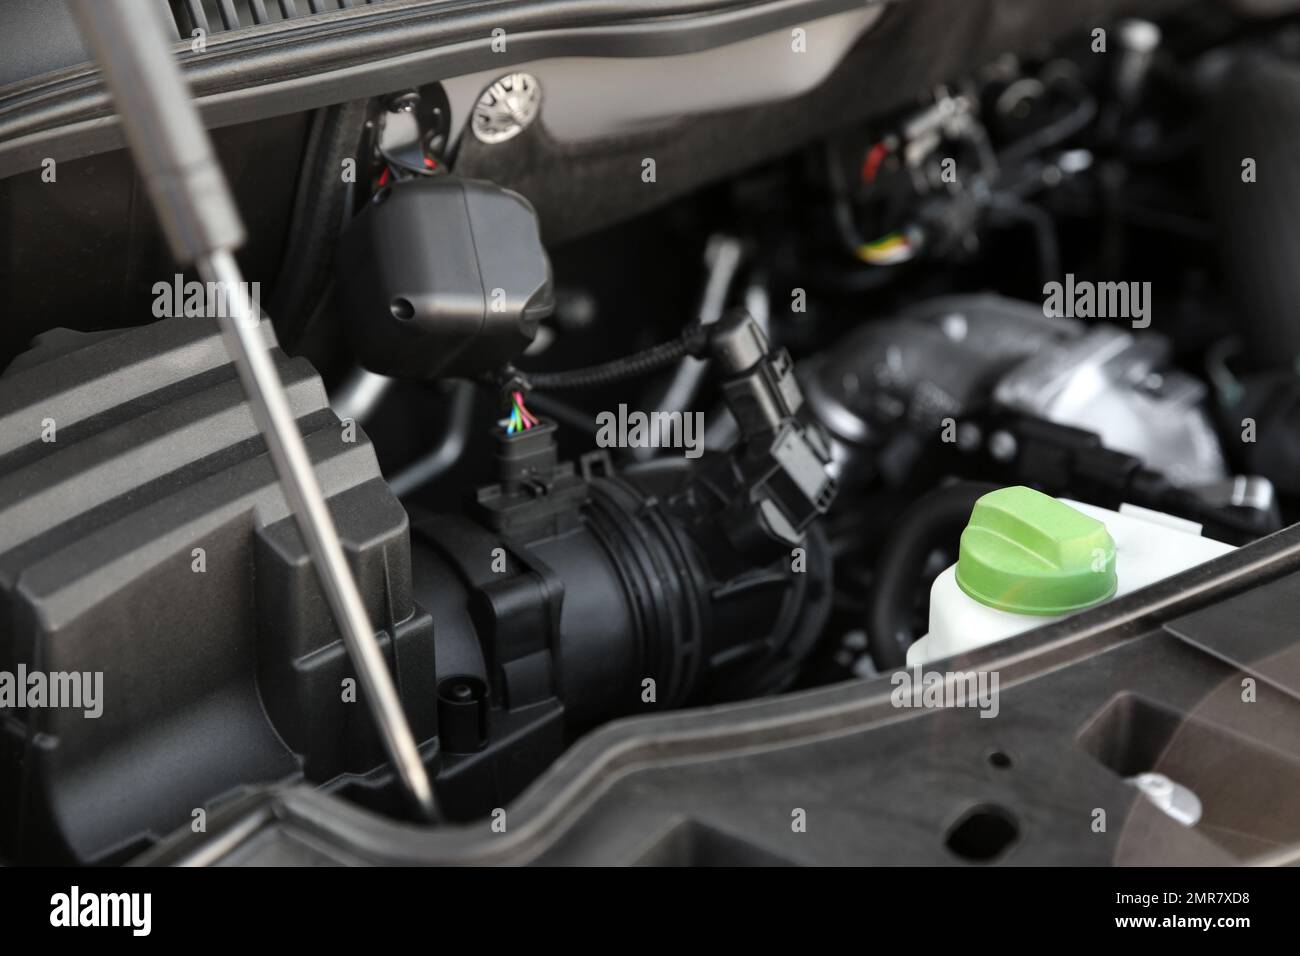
{"type": "Point", "coordinates": [776, 481]}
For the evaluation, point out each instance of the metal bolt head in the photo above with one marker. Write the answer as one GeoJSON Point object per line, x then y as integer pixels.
{"type": "Point", "coordinates": [954, 326]}
{"type": "Point", "coordinates": [1002, 446]}
{"type": "Point", "coordinates": [1140, 36]}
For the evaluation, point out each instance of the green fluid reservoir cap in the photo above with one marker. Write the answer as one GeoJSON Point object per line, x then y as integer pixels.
{"type": "Point", "coordinates": [1025, 552]}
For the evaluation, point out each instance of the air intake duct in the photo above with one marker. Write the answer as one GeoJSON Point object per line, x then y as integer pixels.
{"type": "Point", "coordinates": [576, 595]}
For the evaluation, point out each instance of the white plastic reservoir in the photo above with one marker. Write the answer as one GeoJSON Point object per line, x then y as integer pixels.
{"type": "Point", "coordinates": [1023, 551]}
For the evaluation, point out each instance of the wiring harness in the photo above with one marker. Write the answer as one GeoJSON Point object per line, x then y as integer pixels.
{"type": "Point", "coordinates": [521, 419]}
{"type": "Point", "coordinates": [694, 341]}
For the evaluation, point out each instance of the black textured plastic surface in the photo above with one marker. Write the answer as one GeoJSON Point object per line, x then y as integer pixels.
{"type": "Point", "coordinates": [208, 675]}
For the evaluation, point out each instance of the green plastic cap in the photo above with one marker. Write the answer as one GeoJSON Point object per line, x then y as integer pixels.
{"type": "Point", "coordinates": [1025, 552]}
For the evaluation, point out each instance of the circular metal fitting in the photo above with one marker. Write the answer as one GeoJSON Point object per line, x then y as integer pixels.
{"type": "Point", "coordinates": [506, 108]}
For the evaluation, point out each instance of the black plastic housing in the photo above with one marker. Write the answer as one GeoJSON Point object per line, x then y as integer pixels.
{"type": "Point", "coordinates": [443, 277]}
{"type": "Point", "coordinates": [574, 596]}
{"type": "Point", "coordinates": [144, 536]}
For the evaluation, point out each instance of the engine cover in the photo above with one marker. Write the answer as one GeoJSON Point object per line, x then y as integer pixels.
{"type": "Point", "coordinates": [144, 538]}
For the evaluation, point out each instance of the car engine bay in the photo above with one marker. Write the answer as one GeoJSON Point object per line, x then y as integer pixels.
{"type": "Point", "coordinates": [660, 385]}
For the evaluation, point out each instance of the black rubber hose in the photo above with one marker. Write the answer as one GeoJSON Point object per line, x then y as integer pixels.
{"type": "Point", "coordinates": [1257, 116]}
{"type": "Point", "coordinates": [319, 210]}
{"type": "Point", "coordinates": [691, 342]}
{"type": "Point", "coordinates": [933, 520]}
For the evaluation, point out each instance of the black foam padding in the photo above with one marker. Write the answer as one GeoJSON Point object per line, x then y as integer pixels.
{"type": "Point", "coordinates": [207, 675]}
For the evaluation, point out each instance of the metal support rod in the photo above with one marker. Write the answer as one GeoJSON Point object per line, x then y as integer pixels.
{"type": "Point", "coordinates": [193, 201]}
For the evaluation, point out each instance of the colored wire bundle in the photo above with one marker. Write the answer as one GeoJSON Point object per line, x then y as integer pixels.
{"type": "Point", "coordinates": [888, 250]}
{"type": "Point", "coordinates": [521, 419]}
{"type": "Point", "coordinates": [875, 158]}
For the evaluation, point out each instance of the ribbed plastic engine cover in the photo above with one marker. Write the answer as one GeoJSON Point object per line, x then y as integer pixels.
{"type": "Point", "coordinates": [143, 536]}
